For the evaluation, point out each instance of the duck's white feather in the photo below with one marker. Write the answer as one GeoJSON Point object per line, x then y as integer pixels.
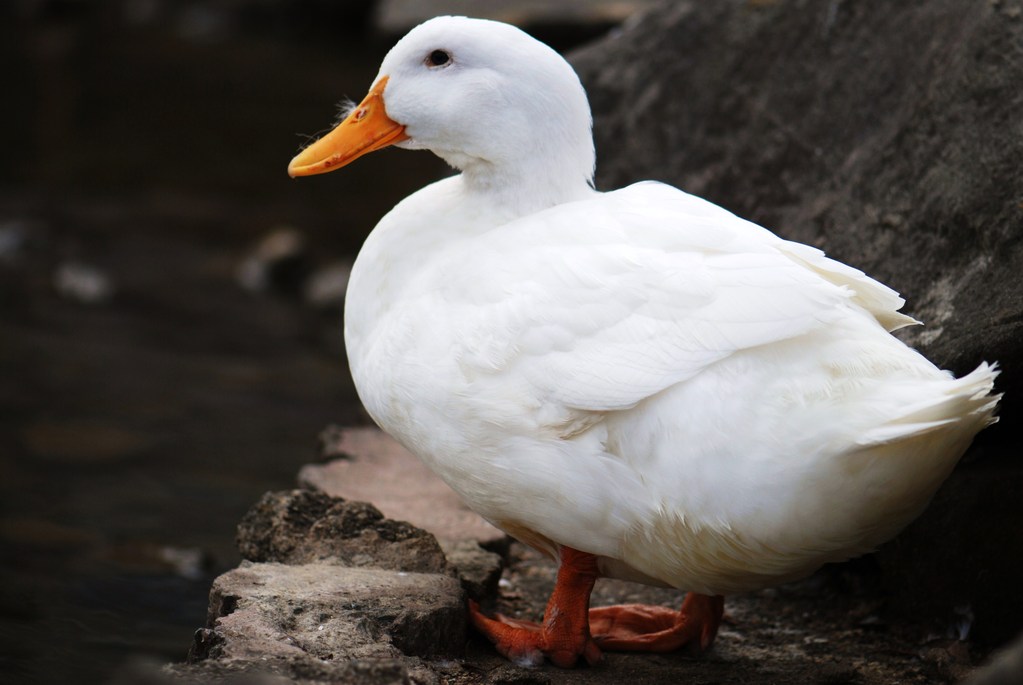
{"type": "Point", "coordinates": [653, 380]}
{"type": "Point", "coordinates": [639, 374]}
{"type": "Point", "coordinates": [599, 304]}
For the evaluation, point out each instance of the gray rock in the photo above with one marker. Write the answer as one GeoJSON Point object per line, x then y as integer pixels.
{"type": "Point", "coordinates": [478, 569]}
{"type": "Point", "coordinates": [302, 526]}
{"type": "Point", "coordinates": [330, 613]}
{"type": "Point", "coordinates": [507, 674]}
{"type": "Point", "coordinates": [889, 135]}
{"type": "Point", "coordinates": [398, 16]}
{"type": "Point", "coordinates": [330, 591]}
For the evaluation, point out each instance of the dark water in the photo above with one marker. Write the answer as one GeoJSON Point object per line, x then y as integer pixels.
{"type": "Point", "coordinates": [135, 432]}
{"type": "Point", "coordinates": [148, 141]}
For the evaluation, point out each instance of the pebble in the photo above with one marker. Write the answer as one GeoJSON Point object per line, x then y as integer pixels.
{"type": "Point", "coordinates": [83, 283]}
{"type": "Point", "coordinates": [327, 286]}
{"type": "Point", "coordinates": [277, 262]}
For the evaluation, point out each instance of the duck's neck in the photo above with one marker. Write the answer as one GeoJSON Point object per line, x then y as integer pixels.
{"type": "Point", "coordinates": [524, 188]}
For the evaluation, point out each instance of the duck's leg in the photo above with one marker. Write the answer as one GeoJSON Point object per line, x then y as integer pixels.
{"type": "Point", "coordinates": [564, 635]}
{"type": "Point", "coordinates": [638, 627]}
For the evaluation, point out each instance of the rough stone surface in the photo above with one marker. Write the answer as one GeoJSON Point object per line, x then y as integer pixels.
{"type": "Point", "coordinates": [331, 592]}
{"type": "Point", "coordinates": [889, 135]}
{"type": "Point", "coordinates": [331, 613]}
{"type": "Point", "coordinates": [478, 569]}
{"type": "Point", "coordinates": [291, 671]}
{"type": "Point", "coordinates": [398, 16]}
{"type": "Point", "coordinates": [375, 468]}
{"type": "Point", "coordinates": [301, 526]}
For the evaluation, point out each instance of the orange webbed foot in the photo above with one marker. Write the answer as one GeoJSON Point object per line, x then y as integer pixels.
{"type": "Point", "coordinates": [571, 629]}
{"type": "Point", "coordinates": [564, 635]}
{"type": "Point", "coordinates": [639, 627]}
{"type": "Point", "coordinates": [527, 643]}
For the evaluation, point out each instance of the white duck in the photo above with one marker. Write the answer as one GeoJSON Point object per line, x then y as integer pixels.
{"type": "Point", "coordinates": [638, 383]}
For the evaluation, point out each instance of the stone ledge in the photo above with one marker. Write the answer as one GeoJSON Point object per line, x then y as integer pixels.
{"type": "Point", "coordinates": [375, 468]}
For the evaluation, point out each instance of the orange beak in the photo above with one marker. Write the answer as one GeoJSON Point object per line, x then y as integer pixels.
{"type": "Point", "coordinates": [366, 129]}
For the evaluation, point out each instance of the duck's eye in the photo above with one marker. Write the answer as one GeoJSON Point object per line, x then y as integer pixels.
{"type": "Point", "coordinates": [438, 58]}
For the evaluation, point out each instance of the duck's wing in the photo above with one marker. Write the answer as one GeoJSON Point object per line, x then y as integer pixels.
{"type": "Point", "coordinates": [882, 302]}
{"type": "Point", "coordinates": [599, 304]}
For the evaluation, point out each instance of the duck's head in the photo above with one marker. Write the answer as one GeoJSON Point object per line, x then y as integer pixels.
{"type": "Point", "coordinates": [485, 96]}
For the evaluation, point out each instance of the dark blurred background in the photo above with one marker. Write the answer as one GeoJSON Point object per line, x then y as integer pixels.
{"type": "Point", "coordinates": [170, 302]}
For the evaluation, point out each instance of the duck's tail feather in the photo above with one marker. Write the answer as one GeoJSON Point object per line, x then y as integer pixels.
{"type": "Point", "coordinates": [876, 297]}
{"type": "Point", "coordinates": [968, 401]}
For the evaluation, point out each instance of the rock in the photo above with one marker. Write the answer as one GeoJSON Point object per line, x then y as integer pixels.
{"type": "Point", "coordinates": [507, 674]}
{"type": "Point", "coordinates": [326, 287]}
{"type": "Point", "coordinates": [331, 591]}
{"type": "Point", "coordinates": [331, 613]}
{"type": "Point", "coordinates": [301, 526]}
{"type": "Point", "coordinates": [279, 262]}
{"type": "Point", "coordinates": [377, 469]}
{"type": "Point", "coordinates": [398, 16]}
{"type": "Point", "coordinates": [478, 570]}
{"type": "Point", "coordinates": [889, 135]}
{"type": "Point", "coordinates": [950, 660]}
